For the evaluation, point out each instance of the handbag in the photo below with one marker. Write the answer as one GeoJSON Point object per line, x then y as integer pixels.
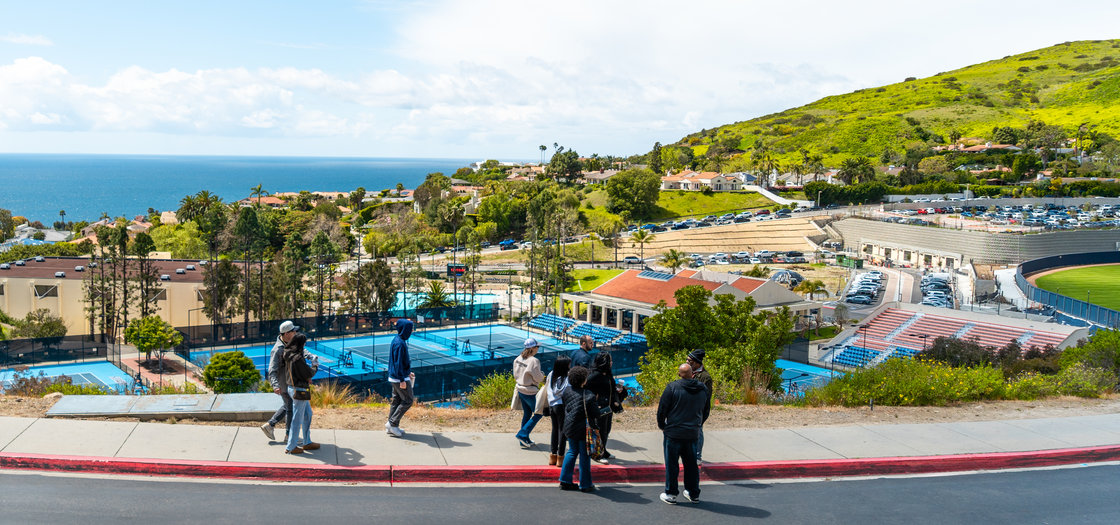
{"type": "Point", "coordinates": [596, 449]}
{"type": "Point", "coordinates": [301, 394]}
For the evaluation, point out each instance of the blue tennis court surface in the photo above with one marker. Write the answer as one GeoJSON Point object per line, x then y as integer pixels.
{"type": "Point", "coordinates": [101, 374]}
{"type": "Point", "coordinates": [799, 377]}
{"type": "Point", "coordinates": [361, 355]}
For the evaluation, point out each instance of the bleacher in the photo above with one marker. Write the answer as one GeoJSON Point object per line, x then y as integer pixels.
{"type": "Point", "coordinates": [629, 338]}
{"type": "Point", "coordinates": [551, 323]}
{"type": "Point", "coordinates": [855, 357]}
{"type": "Point", "coordinates": [601, 334]}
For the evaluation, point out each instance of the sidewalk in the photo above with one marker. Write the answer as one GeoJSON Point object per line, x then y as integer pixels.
{"type": "Point", "coordinates": [462, 457]}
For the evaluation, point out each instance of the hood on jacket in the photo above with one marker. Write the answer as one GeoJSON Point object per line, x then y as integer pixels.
{"type": "Point", "coordinates": [692, 385]}
{"type": "Point", "coordinates": [404, 328]}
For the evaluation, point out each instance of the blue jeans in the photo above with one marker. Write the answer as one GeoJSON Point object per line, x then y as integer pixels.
{"type": "Point", "coordinates": [528, 418]}
{"type": "Point", "coordinates": [700, 445]}
{"type": "Point", "coordinates": [576, 447]}
{"type": "Point", "coordinates": [685, 451]}
{"type": "Point", "coordinates": [301, 420]}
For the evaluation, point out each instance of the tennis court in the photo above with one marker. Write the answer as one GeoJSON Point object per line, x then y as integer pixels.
{"type": "Point", "coordinates": [101, 374]}
{"type": "Point", "coordinates": [362, 355]}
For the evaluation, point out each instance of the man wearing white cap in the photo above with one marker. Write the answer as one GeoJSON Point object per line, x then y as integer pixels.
{"type": "Point", "coordinates": [278, 376]}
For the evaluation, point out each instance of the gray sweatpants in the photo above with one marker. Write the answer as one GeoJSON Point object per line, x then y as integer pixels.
{"type": "Point", "coordinates": [399, 404]}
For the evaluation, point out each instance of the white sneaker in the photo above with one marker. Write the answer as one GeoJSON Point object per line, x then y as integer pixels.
{"type": "Point", "coordinates": [393, 431]}
{"type": "Point", "coordinates": [268, 431]}
{"type": "Point", "coordinates": [668, 498]}
{"type": "Point", "coordinates": [688, 498]}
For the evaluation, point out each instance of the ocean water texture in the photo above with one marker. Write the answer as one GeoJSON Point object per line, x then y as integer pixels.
{"type": "Point", "coordinates": [85, 186]}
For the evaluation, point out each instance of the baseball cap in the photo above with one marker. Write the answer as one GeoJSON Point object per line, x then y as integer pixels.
{"type": "Point", "coordinates": [531, 343]}
{"type": "Point", "coordinates": [287, 326]}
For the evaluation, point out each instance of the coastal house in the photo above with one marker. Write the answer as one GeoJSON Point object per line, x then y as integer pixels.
{"type": "Point", "coordinates": [697, 181]}
{"type": "Point", "coordinates": [597, 177]}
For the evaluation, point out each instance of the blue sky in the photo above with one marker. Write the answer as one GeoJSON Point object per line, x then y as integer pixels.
{"type": "Point", "coordinates": [468, 79]}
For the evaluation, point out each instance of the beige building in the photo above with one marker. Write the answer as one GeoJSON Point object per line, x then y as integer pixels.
{"type": "Point", "coordinates": [56, 284]}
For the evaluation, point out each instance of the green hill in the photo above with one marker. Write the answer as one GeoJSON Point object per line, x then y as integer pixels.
{"type": "Point", "coordinates": [1068, 85]}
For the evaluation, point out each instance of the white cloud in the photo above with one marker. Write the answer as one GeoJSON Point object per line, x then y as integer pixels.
{"type": "Point", "coordinates": [28, 40]}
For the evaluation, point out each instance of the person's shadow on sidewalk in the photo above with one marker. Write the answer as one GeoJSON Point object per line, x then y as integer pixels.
{"type": "Point", "coordinates": [617, 495]}
{"type": "Point", "coordinates": [331, 454]}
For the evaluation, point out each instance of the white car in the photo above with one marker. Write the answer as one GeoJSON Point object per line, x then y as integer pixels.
{"type": "Point", "coordinates": [755, 260]}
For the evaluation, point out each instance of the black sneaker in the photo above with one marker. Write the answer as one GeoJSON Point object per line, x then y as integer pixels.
{"type": "Point", "coordinates": [568, 486]}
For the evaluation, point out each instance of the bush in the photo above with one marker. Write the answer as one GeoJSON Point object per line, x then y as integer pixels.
{"type": "Point", "coordinates": [230, 373]}
{"type": "Point", "coordinates": [332, 394]}
{"type": "Point", "coordinates": [910, 382]}
{"type": "Point", "coordinates": [657, 371]}
{"type": "Point", "coordinates": [24, 383]}
{"type": "Point", "coordinates": [169, 389]}
{"type": "Point", "coordinates": [493, 391]}
{"type": "Point", "coordinates": [1085, 381]}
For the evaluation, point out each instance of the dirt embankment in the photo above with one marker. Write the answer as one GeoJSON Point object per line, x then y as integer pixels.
{"type": "Point", "coordinates": [424, 418]}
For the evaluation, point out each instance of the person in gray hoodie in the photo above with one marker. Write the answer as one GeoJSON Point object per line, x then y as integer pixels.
{"type": "Point", "coordinates": [683, 408]}
{"type": "Point", "coordinates": [278, 377]}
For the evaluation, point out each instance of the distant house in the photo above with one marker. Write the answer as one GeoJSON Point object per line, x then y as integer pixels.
{"type": "Point", "coordinates": [697, 181]}
{"type": "Point", "coordinates": [597, 177]}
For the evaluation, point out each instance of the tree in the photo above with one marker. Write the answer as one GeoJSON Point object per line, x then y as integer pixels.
{"type": "Point", "coordinates": [436, 296]}
{"type": "Point", "coordinates": [147, 275]}
{"type": "Point", "coordinates": [230, 373]}
{"type": "Point", "coordinates": [258, 191]}
{"type": "Point", "coordinates": [811, 287]}
{"type": "Point", "coordinates": [356, 197]}
{"type": "Point", "coordinates": [763, 161]}
{"type": "Point", "coordinates": [655, 163]}
{"type": "Point", "coordinates": [7, 224]}
{"type": "Point", "coordinates": [220, 300]}
{"type": "Point", "coordinates": [564, 164]}
{"type": "Point", "coordinates": [673, 259]}
{"type": "Point", "coordinates": [633, 191]}
{"type": "Point", "coordinates": [152, 333]}
{"type": "Point", "coordinates": [855, 170]}
{"type": "Point", "coordinates": [543, 149]}
{"type": "Point", "coordinates": [937, 164]}
{"type": "Point", "coordinates": [641, 238]}
{"type": "Point", "coordinates": [40, 323]}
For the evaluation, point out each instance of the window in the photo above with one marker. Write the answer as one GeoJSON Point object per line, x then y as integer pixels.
{"type": "Point", "coordinates": [1, 289]}
{"type": "Point", "coordinates": [158, 295]}
{"type": "Point", "coordinates": [201, 295]}
{"type": "Point", "coordinates": [42, 291]}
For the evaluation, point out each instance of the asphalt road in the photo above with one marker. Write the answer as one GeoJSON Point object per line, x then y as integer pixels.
{"type": "Point", "coordinates": [1072, 495]}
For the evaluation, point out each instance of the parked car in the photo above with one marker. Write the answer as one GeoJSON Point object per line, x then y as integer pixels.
{"type": "Point", "coordinates": [858, 299]}
{"type": "Point", "coordinates": [632, 259]}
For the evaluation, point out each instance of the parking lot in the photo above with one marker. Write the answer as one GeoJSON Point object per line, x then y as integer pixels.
{"type": "Point", "coordinates": [1040, 216]}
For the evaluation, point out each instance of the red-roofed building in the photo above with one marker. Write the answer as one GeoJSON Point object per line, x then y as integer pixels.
{"type": "Point", "coordinates": [625, 301]}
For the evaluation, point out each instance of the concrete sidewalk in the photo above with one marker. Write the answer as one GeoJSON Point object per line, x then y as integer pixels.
{"type": "Point", "coordinates": [373, 456]}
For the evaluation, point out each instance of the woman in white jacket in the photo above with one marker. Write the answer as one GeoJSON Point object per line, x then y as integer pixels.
{"type": "Point", "coordinates": [527, 373]}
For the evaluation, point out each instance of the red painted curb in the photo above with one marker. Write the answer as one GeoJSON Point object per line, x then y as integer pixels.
{"type": "Point", "coordinates": [201, 469]}
{"type": "Point", "coordinates": [548, 474]}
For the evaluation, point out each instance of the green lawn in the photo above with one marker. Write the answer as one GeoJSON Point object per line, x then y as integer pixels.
{"type": "Point", "coordinates": [673, 203]}
{"type": "Point", "coordinates": [826, 332]}
{"type": "Point", "coordinates": [590, 279]}
{"type": "Point", "coordinates": [1100, 284]}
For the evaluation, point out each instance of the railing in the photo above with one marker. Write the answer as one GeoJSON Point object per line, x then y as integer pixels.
{"type": "Point", "coordinates": [1092, 313]}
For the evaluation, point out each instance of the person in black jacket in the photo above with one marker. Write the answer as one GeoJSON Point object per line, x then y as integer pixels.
{"type": "Point", "coordinates": [578, 403]}
{"type": "Point", "coordinates": [601, 383]}
{"type": "Point", "coordinates": [699, 373]}
{"type": "Point", "coordinates": [300, 373]}
{"type": "Point", "coordinates": [683, 408]}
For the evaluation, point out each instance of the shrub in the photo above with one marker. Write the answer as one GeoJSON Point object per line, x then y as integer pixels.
{"type": "Point", "coordinates": [910, 382]}
{"type": "Point", "coordinates": [493, 391]}
{"type": "Point", "coordinates": [1085, 381]}
{"type": "Point", "coordinates": [332, 394]}
{"type": "Point", "coordinates": [1030, 386]}
{"type": "Point", "coordinates": [657, 370]}
{"type": "Point", "coordinates": [24, 383]}
{"type": "Point", "coordinates": [169, 389]}
{"type": "Point", "coordinates": [230, 373]}
{"type": "Point", "coordinates": [68, 388]}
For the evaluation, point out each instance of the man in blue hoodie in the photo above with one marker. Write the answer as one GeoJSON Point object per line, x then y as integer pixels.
{"type": "Point", "coordinates": [401, 377]}
{"type": "Point", "coordinates": [683, 408]}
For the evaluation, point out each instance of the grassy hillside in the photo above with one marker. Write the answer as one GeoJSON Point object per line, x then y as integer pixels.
{"type": "Point", "coordinates": [1068, 85]}
{"type": "Point", "coordinates": [674, 204]}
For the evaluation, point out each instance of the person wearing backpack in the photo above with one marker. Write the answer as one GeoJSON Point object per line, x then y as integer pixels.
{"type": "Point", "coordinates": [299, 389]}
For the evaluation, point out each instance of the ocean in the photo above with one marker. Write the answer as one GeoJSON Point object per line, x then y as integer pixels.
{"type": "Point", "coordinates": [38, 186]}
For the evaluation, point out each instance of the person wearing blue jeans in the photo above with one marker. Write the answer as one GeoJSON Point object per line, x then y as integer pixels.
{"type": "Point", "coordinates": [527, 373]}
{"type": "Point", "coordinates": [300, 373]}
{"type": "Point", "coordinates": [301, 423]}
{"type": "Point", "coordinates": [576, 398]}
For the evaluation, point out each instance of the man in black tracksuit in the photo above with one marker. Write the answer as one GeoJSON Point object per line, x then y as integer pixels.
{"type": "Point", "coordinates": [683, 408]}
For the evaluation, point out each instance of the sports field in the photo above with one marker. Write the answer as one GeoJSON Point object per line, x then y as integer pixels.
{"type": "Point", "coordinates": [1099, 284]}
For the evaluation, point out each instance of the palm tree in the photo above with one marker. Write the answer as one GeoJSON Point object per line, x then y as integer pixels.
{"type": "Point", "coordinates": [592, 237]}
{"type": "Point", "coordinates": [641, 238]}
{"type": "Point", "coordinates": [62, 217]}
{"type": "Point", "coordinates": [673, 259]}
{"type": "Point", "coordinates": [812, 288]}
{"type": "Point", "coordinates": [815, 165]}
{"type": "Point", "coordinates": [543, 149]}
{"type": "Point", "coordinates": [763, 160]}
{"type": "Point", "coordinates": [437, 296]}
{"type": "Point", "coordinates": [258, 192]}
{"type": "Point", "coordinates": [854, 170]}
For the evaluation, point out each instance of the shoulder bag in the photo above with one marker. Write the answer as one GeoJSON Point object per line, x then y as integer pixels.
{"type": "Point", "coordinates": [595, 446]}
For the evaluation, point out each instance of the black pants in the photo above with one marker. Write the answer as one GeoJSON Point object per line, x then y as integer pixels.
{"type": "Point", "coordinates": [400, 402]}
{"type": "Point", "coordinates": [685, 451]}
{"type": "Point", "coordinates": [559, 442]}
{"type": "Point", "coordinates": [284, 412]}
{"type": "Point", "coordinates": [605, 427]}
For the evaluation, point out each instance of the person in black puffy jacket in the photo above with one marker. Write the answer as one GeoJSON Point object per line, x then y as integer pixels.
{"type": "Point", "coordinates": [578, 403]}
{"type": "Point", "coordinates": [683, 408]}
